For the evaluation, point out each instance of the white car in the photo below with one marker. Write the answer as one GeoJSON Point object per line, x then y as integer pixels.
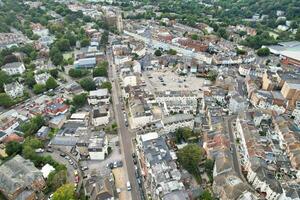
{"type": "Point", "coordinates": [128, 186]}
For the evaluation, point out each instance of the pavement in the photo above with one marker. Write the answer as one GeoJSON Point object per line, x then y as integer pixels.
{"type": "Point", "coordinates": [124, 134]}
{"type": "Point", "coordinates": [121, 183]}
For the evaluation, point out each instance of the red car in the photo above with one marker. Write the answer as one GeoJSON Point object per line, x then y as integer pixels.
{"type": "Point", "coordinates": [76, 179]}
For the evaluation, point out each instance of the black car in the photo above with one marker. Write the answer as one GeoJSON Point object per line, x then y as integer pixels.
{"type": "Point", "coordinates": [49, 150]}
{"type": "Point", "coordinates": [110, 165]}
{"type": "Point", "coordinates": [120, 163]}
{"type": "Point", "coordinates": [62, 154]}
{"type": "Point", "coordinates": [135, 161]}
{"type": "Point", "coordinates": [133, 155]}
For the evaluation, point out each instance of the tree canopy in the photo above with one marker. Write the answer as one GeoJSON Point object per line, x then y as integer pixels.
{"type": "Point", "coordinates": [51, 83]}
{"type": "Point", "coordinates": [64, 192]}
{"type": "Point", "coordinates": [87, 84]}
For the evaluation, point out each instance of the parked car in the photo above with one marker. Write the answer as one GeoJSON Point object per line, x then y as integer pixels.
{"type": "Point", "coordinates": [49, 150]}
{"type": "Point", "coordinates": [62, 154]}
{"type": "Point", "coordinates": [110, 165]}
{"type": "Point", "coordinates": [119, 163]}
{"type": "Point", "coordinates": [128, 186]}
{"type": "Point", "coordinates": [84, 168]}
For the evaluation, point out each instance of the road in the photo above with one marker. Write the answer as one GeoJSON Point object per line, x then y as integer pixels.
{"type": "Point", "coordinates": [158, 44]}
{"type": "Point", "coordinates": [124, 134]}
{"type": "Point", "coordinates": [236, 162]}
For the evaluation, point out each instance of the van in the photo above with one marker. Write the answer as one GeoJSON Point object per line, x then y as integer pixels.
{"type": "Point", "coordinates": [128, 186]}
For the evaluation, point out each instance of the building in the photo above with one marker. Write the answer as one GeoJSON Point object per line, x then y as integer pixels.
{"type": "Point", "coordinates": [100, 96]}
{"type": "Point", "coordinates": [57, 121]}
{"type": "Point", "coordinates": [14, 68]}
{"type": "Point", "coordinates": [98, 147]}
{"type": "Point", "coordinates": [173, 122]}
{"type": "Point", "coordinates": [99, 188]}
{"type": "Point", "coordinates": [85, 63]}
{"type": "Point", "coordinates": [140, 112]}
{"type": "Point", "coordinates": [41, 78]}
{"type": "Point", "coordinates": [43, 132]}
{"type": "Point", "coordinates": [20, 179]}
{"type": "Point", "coordinates": [100, 117]}
{"type": "Point", "coordinates": [291, 92]}
{"type": "Point", "coordinates": [14, 89]}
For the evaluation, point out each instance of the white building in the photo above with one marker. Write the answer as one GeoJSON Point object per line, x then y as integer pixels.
{"type": "Point", "coordinates": [14, 68]}
{"type": "Point", "coordinates": [140, 113]}
{"type": "Point", "coordinates": [98, 147]}
{"type": "Point", "coordinates": [100, 117]}
{"type": "Point", "coordinates": [173, 122]}
{"type": "Point", "coordinates": [129, 80]}
{"type": "Point", "coordinates": [41, 78]}
{"type": "Point", "coordinates": [14, 89]}
{"type": "Point", "coordinates": [100, 96]}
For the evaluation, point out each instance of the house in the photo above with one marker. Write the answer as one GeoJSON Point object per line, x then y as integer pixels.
{"type": "Point", "coordinates": [98, 146]}
{"type": "Point", "coordinates": [57, 121]}
{"type": "Point", "coordinates": [14, 89]}
{"type": "Point", "coordinates": [100, 96]}
{"type": "Point", "coordinates": [42, 133]}
{"type": "Point", "coordinates": [80, 118]}
{"type": "Point", "coordinates": [20, 179]}
{"type": "Point", "coordinates": [42, 78]}
{"type": "Point", "coordinates": [99, 188]}
{"type": "Point", "coordinates": [173, 122]}
{"type": "Point", "coordinates": [100, 116]}
{"type": "Point", "coordinates": [140, 112]}
{"type": "Point", "coordinates": [14, 68]}
{"type": "Point", "coordinates": [85, 63]}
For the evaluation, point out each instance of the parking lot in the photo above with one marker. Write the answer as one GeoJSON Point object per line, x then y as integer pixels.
{"type": "Point", "coordinates": [168, 80]}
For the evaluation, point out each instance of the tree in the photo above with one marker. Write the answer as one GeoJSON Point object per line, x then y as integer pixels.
{"type": "Point", "coordinates": [29, 79]}
{"type": "Point", "coordinates": [63, 44]}
{"type": "Point", "coordinates": [297, 37]}
{"type": "Point", "coordinates": [31, 127]}
{"type": "Point", "coordinates": [64, 192]}
{"type": "Point", "coordinates": [51, 83]}
{"type": "Point", "coordinates": [106, 85]}
{"type": "Point", "coordinates": [100, 71]}
{"type": "Point", "coordinates": [157, 53]}
{"type": "Point", "coordinates": [194, 37]}
{"type": "Point", "coordinates": [172, 52]}
{"type": "Point", "coordinates": [39, 88]}
{"type": "Point", "coordinates": [79, 100]}
{"type": "Point", "coordinates": [5, 100]}
{"type": "Point", "coordinates": [189, 157]}
{"type": "Point", "coordinates": [4, 78]}
{"type": "Point", "coordinates": [206, 195]}
{"type": "Point", "coordinates": [56, 55]}
{"type": "Point", "coordinates": [13, 148]}
{"type": "Point", "coordinates": [54, 73]}
{"type": "Point", "coordinates": [183, 134]}
{"type": "Point", "coordinates": [87, 84]}
{"type": "Point", "coordinates": [212, 75]}
{"type": "Point", "coordinates": [262, 52]}
{"type": "Point", "coordinates": [85, 42]}
{"type": "Point", "coordinates": [223, 33]}
{"type": "Point", "coordinates": [56, 179]}
{"type": "Point", "coordinates": [77, 73]}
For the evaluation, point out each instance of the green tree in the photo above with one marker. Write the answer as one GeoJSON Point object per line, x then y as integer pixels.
{"type": "Point", "coordinates": [56, 55]}
{"type": "Point", "coordinates": [87, 84]}
{"type": "Point", "coordinates": [5, 100]}
{"type": "Point", "coordinates": [183, 134]}
{"type": "Point", "coordinates": [172, 52]}
{"type": "Point", "coordinates": [13, 148]}
{"type": "Point", "coordinates": [39, 88]}
{"type": "Point", "coordinates": [262, 52]}
{"type": "Point", "coordinates": [54, 73]}
{"type": "Point", "coordinates": [223, 33]}
{"type": "Point", "coordinates": [63, 44]}
{"type": "Point", "coordinates": [29, 79]}
{"type": "Point", "coordinates": [107, 85]}
{"type": "Point", "coordinates": [189, 158]}
{"type": "Point", "coordinates": [212, 75]}
{"type": "Point", "coordinates": [157, 52]}
{"type": "Point", "coordinates": [297, 37]}
{"type": "Point", "coordinates": [79, 100]}
{"type": "Point", "coordinates": [85, 42]}
{"type": "Point", "coordinates": [77, 73]}
{"type": "Point", "coordinates": [194, 37]}
{"type": "Point", "coordinates": [100, 71]}
{"type": "Point", "coordinates": [4, 78]}
{"type": "Point", "coordinates": [64, 192]}
{"type": "Point", "coordinates": [56, 179]}
{"type": "Point", "coordinates": [51, 83]}
{"type": "Point", "coordinates": [206, 195]}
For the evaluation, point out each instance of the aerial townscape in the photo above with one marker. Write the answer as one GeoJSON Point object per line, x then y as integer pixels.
{"type": "Point", "coordinates": [149, 100]}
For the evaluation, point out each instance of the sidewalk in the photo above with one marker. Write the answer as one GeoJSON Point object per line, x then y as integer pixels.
{"type": "Point", "coordinates": [120, 182]}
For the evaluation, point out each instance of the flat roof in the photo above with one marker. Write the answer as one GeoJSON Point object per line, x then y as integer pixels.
{"type": "Point", "coordinates": [149, 136]}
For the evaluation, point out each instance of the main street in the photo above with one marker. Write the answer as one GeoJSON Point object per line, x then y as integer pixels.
{"type": "Point", "coordinates": [124, 134]}
{"type": "Point", "coordinates": [234, 151]}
